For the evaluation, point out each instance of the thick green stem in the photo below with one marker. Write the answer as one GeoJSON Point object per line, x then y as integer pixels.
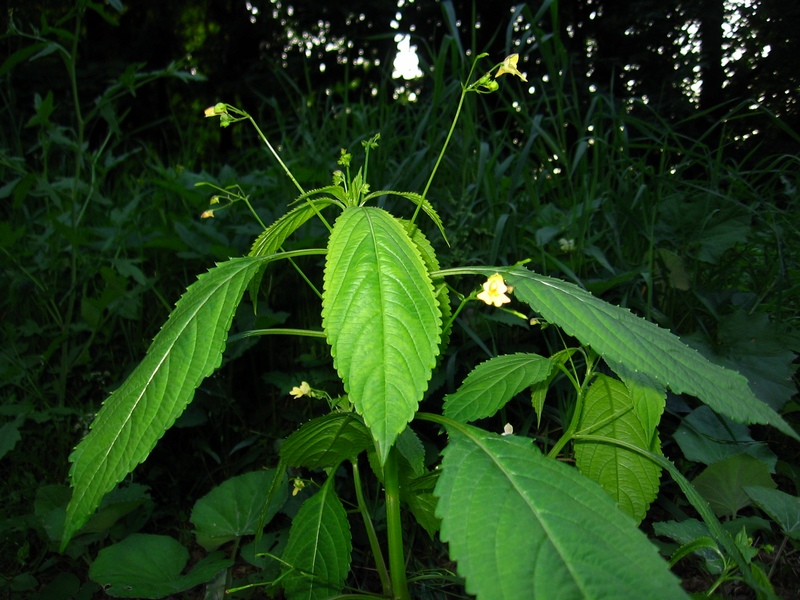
{"type": "Point", "coordinates": [394, 528]}
{"type": "Point", "coordinates": [380, 564]}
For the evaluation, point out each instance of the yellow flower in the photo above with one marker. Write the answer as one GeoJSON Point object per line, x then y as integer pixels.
{"type": "Point", "coordinates": [297, 485]}
{"type": "Point", "coordinates": [302, 390]}
{"type": "Point", "coordinates": [494, 291]}
{"type": "Point", "coordinates": [510, 66]}
{"type": "Point", "coordinates": [216, 110]}
{"type": "Point", "coordinates": [207, 214]}
{"type": "Point", "coordinates": [566, 245]}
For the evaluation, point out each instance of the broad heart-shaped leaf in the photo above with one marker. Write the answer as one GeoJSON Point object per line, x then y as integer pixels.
{"type": "Point", "coordinates": [318, 552]}
{"type": "Point", "coordinates": [493, 383]}
{"type": "Point", "coordinates": [186, 350]}
{"type": "Point", "coordinates": [722, 484]}
{"type": "Point", "coordinates": [707, 437]}
{"type": "Point", "coordinates": [326, 441]}
{"type": "Point", "coordinates": [381, 318]}
{"type": "Point", "coordinates": [150, 566]}
{"type": "Point", "coordinates": [233, 508]}
{"type": "Point", "coordinates": [780, 506]}
{"type": "Point", "coordinates": [522, 525]}
{"type": "Point", "coordinates": [622, 338]}
{"type": "Point", "coordinates": [631, 479]}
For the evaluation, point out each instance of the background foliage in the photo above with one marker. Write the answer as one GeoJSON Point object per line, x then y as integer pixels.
{"type": "Point", "coordinates": [605, 168]}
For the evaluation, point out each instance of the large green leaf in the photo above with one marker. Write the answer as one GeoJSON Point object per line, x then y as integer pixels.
{"type": "Point", "coordinates": [522, 525]}
{"type": "Point", "coordinates": [186, 350]}
{"type": "Point", "coordinates": [493, 383]}
{"type": "Point", "coordinates": [326, 441]}
{"type": "Point", "coordinates": [150, 566]}
{"type": "Point", "coordinates": [317, 556]}
{"type": "Point", "coordinates": [630, 478]}
{"type": "Point", "coordinates": [233, 509]}
{"type": "Point", "coordinates": [622, 338]}
{"type": "Point", "coordinates": [381, 319]}
{"type": "Point", "coordinates": [722, 483]}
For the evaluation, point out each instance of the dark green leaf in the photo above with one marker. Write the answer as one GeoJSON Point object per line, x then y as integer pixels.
{"type": "Point", "coordinates": [722, 483]}
{"type": "Point", "coordinates": [150, 566]}
{"type": "Point", "coordinates": [233, 508]}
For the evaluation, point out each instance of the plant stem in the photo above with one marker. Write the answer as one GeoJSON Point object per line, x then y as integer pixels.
{"type": "Point", "coordinates": [380, 564]}
{"type": "Point", "coordinates": [394, 529]}
{"type": "Point", "coordinates": [464, 90]}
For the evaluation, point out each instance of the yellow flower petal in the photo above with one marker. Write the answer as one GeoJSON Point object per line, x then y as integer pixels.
{"type": "Point", "coordinates": [302, 390]}
{"type": "Point", "coordinates": [510, 66]}
{"type": "Point", "coordinates": [494, 291]}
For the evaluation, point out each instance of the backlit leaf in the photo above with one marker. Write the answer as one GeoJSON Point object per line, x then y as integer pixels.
{"type": "Point", "coordinates": [631, 479]}
{"type": "Point", "coordinates": [381, 319]}
{"type": "Point", "coordinates": [187, 350]}
{"type": "Point", "coordinates": [493, 383]}
{"type": "Point", "coordinates": [317, 556]}
{"type": "Point", "coordinates": [326, 441]}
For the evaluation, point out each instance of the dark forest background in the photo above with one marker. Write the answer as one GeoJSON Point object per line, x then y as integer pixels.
{"type": "Point", "coordinates": [250, 51]}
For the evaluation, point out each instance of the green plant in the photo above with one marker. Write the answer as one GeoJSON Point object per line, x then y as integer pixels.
{"type": "Point", "coordinates": [518, 521]}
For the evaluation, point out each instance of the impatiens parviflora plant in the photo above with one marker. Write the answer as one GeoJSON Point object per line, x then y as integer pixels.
{"type": "Point", "coordinates": [519, 523]}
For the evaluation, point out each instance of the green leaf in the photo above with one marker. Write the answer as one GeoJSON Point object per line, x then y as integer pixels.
{"type": "Point", "coordinates": [233, 508]}
{"type": "Point", "coordinates": [381, 319]}
{"type": "Point", "coordinates": [722, 483]}
{"type": "Point", "coordinates": [326, 441]}
{"type": "Point", "coordinates": [522, 525]}
{"type": "Point", "coordinates": [493, 383]}
{"type": "Point", "coordinates": [187, 350]}
{"type": "Point", "coordinates": [539, 389]}
{"type": "Point", "coordinates": [694, 536]}
{"type": "Point", "coordinates": [759, 349]}
{"type": "Point", "coordinates": [649, 400]}
{"type": "Point", "coordinates": [707, 437]}
{"type": "Point", "coordinates": [272, 238]}
{"type": "Point", "coordinates": [9, 436]}
{"type": "Point", "coordinates": [631, 479]}
{"type": "Point", "coordinates": [782, 508]}
{"type": "Point", "coordinates": [426, 206]}
{"type": "Point", "coordinates": [319, 547]}
{"type": "Point", "coordinates": [417, 494]}
{"type": "Point", "coordinates": [410, 448]}
{"type": "Point", "coordinates": [622, 338]}
{"type": "Point", "coordinates": [442, 292]}
{"type": "Point", "coordinates": [717, 530]}
{"type": "Point", "coordinates": [150, 566]}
